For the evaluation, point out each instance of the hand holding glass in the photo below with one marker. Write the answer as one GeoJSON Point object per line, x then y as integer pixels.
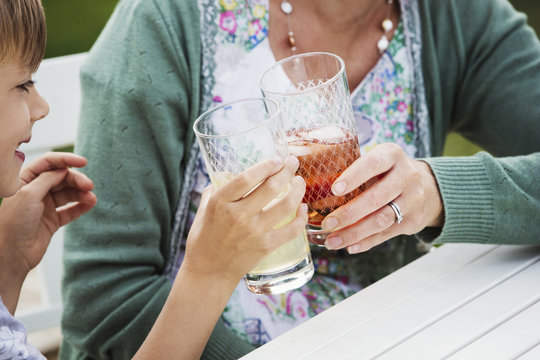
{"type": "Point", "coordinates": [232, 138]}
{"type": "Point", "coordinates": [313, 92]}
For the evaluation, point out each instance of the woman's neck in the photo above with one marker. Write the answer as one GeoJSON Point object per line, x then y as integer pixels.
{"type": "Point", "coordinates": [349, 16]}
{"type": "Point", "coordinates": [348, 28]}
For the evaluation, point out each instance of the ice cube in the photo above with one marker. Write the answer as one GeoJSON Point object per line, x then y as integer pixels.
{"type": "Point", "coordinates": [299, 148]}
{"type": "Point", "coordinates": [325, 133]}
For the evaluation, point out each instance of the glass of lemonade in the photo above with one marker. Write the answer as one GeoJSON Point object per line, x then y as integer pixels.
{"type": "Point", "coordinates": [313, 93]}
{"type": "Point", "coordinates": [234, 137]}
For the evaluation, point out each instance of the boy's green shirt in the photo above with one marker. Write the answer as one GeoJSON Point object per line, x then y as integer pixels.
{"type": "Point", "coordinates": [141, 94]}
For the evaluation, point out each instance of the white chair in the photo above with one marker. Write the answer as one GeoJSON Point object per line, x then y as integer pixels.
{"type": "Point", "coordinates": [57, 80]}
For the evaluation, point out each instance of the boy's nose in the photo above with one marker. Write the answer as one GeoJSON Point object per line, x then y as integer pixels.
{"type": "Point", "coordinates": [40, 107]}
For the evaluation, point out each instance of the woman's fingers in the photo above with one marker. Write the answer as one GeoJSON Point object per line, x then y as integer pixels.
{"type": "Point", "coordinates": [375, 239]}
{"type": "Point", "coordinates": [51, 161]}
{"type": "Point", "coordinates": [378, 161]}
{"type": "Point", "coordinates": [272, 187]}
{"type": "Point", "coordinates": [205, 196]}
{"type": "Point", "coordinates": [236, 188]}
{"type": "Point", "coordinates": [286, 233]}
{"type": "Point", "coordinates": [375, 197]}
{"type": "Point", "coordinates": [279, 210]}
{"type": "Point", "coordinates": [368, 220]}
{"type": "Point", "coordinates": [379, 221]}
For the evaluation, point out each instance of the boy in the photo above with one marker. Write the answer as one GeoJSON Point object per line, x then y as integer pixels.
{"type": "Point", "coordinates": [30, 217]}
{"type": "Point", "coordinates": [47, 194]}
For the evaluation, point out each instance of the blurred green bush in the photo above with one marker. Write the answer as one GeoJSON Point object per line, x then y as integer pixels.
{"type": "Point", "coordinates": [74, 26]}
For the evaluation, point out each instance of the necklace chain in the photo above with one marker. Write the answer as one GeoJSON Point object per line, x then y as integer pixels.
{"type": "Point", "coordinates": [383, 43]}
{"type": "Point", "coordinates": [387, 26]}
{"type": "Point", "coordinates": [287, 8]}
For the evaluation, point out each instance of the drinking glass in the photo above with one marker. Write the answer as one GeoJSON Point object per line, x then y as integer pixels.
{"type": "Point", "coordinates": [313, 93]}
{"type": "Point", "coordinates": [232, 138]}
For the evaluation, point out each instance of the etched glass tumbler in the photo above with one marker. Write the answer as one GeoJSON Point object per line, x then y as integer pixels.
{"type": "Point", "coordinates": [313, 93]}
{"type": "Point", "coordinates": [232, 138]}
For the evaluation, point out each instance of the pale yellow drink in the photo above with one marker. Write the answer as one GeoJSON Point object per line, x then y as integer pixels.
{"type": "Point", "coordinates": [233, 137]}
{"type": "Point", "coordinates": [285, 256]}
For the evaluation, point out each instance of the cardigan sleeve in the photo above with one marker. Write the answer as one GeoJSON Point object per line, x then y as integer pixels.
{"type": "Point", "coordinates": [483, 69]}
{"type": "Point", "coordinates": [140, 90]}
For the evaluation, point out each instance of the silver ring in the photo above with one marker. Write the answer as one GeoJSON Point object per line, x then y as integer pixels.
{"type": "Point", "coordinates": [397, 211]}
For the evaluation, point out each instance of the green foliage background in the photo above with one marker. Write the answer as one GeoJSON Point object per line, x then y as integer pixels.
{"type": "Point", "coordinates": [74, 25]}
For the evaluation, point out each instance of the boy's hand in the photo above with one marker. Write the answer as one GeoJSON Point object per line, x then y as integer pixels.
{"type": "Point", "coordinates": [51, 196]}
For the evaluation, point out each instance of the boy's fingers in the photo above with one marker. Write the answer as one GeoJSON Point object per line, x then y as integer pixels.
{"type": "Point", "coordinates": [76, 180]}
{"type": "Point", "coordinates": [87, 197]}
{"type": "Point", "coordinates": [72, 212]}
{"type": "Point", "coordinates": [68, 195]}
{"type": "Point", "coordinates": [42, 184]}
{"type": "Point", "coordinates": [51, 161]}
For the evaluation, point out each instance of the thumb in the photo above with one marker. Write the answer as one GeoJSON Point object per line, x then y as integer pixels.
{"type": "Point", "coordinates": [205, 197]}
{"type": "Point", "coordinates": [40, 186]}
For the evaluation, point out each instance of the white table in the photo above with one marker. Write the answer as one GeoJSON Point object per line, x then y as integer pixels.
{"type": "Point", "coordinates": [461, 301]}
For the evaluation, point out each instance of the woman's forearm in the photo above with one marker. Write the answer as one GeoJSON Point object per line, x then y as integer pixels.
{"type": "Point", "coordinates": [188, 317]}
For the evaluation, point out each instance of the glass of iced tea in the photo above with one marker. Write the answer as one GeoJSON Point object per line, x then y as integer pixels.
{"type": "Point", "coordinates": [313, 93]}
{"type": "Point", "coordinates": [234, 137]}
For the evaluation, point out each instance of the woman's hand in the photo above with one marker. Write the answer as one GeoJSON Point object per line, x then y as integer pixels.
{"type": "Point", "coordinates": [232, 232]}
{"type": "Point", "coordinates": [51, 196]}
{"type": "Point", "coordinates": [234, 228]}
{"type": "Point", "coordinates": [367, 220]}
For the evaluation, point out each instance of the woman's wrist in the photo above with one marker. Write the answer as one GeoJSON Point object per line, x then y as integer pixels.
{"type": "Point", "coordinates": [191, 311]}
{"type": "Point", "coordinates": [221, 281]}
{"type": "Point", "coordinates": [434, 203]}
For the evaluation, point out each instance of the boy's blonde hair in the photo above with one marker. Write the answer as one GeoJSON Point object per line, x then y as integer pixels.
{"type": "Point", "coordinates": [23, 32]}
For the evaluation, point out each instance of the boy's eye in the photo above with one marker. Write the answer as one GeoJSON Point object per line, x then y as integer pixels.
{"type": "Point", "coordinates": [26, 86]}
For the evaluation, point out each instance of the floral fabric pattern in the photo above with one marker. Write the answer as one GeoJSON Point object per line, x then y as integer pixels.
{"type": "Point", "coordinates": [13, 345]}
{"type": "Point", "coordinates": [243, 22]}
{"type": "Point", "coordinates": [382, 103]}
{"type": "Point", "coordinates": [258, 319]}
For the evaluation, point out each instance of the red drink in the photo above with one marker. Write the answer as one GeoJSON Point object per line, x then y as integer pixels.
{"type": "Point", "coordinates": [324, 153]}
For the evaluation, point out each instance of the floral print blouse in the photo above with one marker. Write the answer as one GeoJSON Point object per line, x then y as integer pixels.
{"type": "Point", "coordinates": [236, 52]}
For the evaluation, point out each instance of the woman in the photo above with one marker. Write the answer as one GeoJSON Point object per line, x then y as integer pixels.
{"type": "Point", "coordinates": [448, 65]}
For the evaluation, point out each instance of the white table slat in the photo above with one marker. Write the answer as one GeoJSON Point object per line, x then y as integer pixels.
{"type": "Point", "coordinates": [532, 354]}
{"type": "Point", "coordinates": [476, 319]}
{"type": "Point", "coordinates": [371, 303]}
{"type": "Point", "coordinates": [508, 340]}
{"type": "Point", "coordinates": [402, 321]}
